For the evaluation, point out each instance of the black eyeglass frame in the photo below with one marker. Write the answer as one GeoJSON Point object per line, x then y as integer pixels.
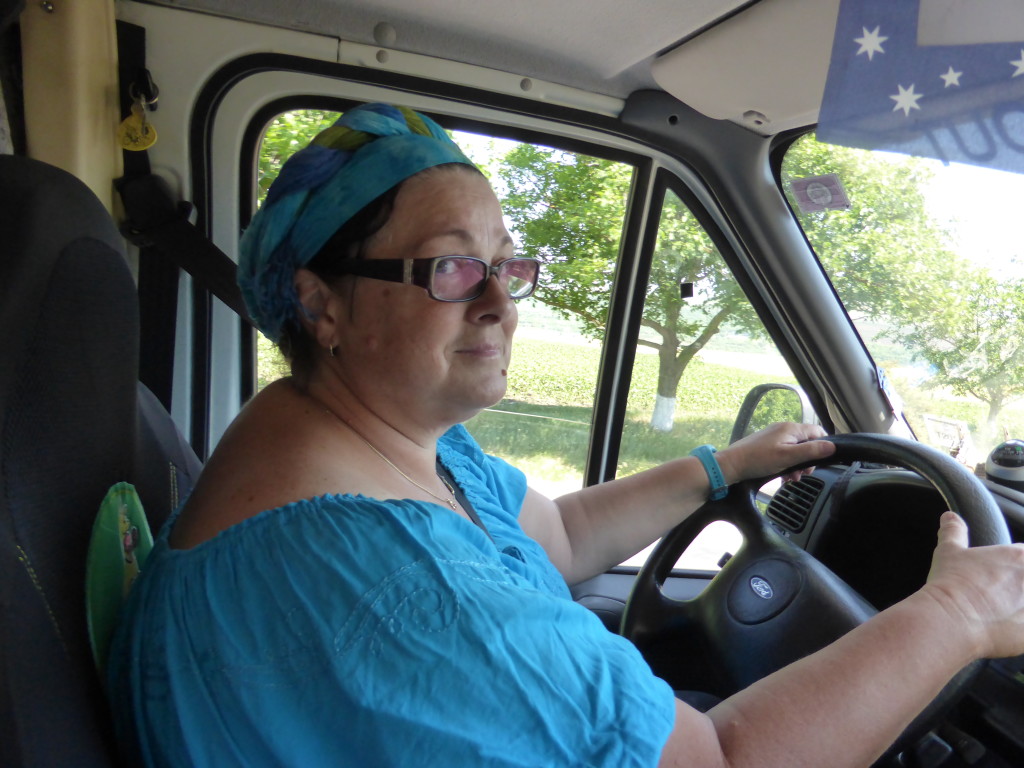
{"type": "Point", "coordinates": [420, 272]}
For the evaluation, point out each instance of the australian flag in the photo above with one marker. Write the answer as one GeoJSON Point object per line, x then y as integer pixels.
{"type": "Point", "coordinates": [935, 78]}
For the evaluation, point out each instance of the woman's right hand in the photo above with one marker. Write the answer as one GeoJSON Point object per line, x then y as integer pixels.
{"type": "Point", "coordinates": [773, 449]}
{"type": "Point", "coordinates": [982, 589]}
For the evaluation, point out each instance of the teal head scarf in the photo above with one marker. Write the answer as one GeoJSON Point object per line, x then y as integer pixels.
{"type": "Point", "coordinates": [369, 150]}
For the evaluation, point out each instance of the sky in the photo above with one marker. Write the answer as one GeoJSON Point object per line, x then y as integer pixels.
{"type": "Point", "coordinates": [986, 207]}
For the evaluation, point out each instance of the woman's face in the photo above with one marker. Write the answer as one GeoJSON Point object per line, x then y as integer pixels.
{"type": "Point", "coordinates": [436, 362]}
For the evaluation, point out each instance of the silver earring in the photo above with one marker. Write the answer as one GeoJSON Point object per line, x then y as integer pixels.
{"type": "Point", "coordinates": [331, 349]}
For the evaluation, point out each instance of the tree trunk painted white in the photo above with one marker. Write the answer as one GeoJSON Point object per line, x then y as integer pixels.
{"type": "Point", "coordinates": [664, 413]}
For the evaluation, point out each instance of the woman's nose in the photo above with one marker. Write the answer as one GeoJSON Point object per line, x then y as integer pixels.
{"type": "Point", "coordinates": [494, 302]}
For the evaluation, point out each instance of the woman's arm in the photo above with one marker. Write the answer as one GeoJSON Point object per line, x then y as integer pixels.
{"type": "Point", "coordinates": [589, 531]}
{"type": "Point", "coordinates": [844, 705]}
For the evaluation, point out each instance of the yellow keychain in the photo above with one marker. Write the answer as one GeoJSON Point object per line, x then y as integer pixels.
{"type": "Point", "coordinates": [136, 133]}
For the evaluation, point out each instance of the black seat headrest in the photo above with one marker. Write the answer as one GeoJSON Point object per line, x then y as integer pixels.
{"type": "Point", "coordinates": [69, 346]}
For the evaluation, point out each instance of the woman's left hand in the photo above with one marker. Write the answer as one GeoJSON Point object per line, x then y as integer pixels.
{"type": "Point", "coordinates": [773, 449]}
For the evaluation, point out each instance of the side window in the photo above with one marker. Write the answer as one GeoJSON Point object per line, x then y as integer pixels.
{"type": "Point", "coordinates": [701, 349]}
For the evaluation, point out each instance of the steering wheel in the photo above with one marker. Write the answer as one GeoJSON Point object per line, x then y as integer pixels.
{"type": "Point", "coordinates": [772, 603]}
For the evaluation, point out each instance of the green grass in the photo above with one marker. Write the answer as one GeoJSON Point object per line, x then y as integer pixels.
{"type": "Point", "coordinates": [555, 381]}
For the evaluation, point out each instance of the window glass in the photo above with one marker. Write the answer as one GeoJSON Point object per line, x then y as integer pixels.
{"type": "Point", "coordinates": [929, 261]}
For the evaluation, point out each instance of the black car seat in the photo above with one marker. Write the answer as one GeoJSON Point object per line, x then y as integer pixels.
{"type": "Point", "coordinates": [74, 420]}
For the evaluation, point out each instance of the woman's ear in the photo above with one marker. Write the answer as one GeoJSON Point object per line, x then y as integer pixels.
{"type": "Point", "coordinates": [319, 305]}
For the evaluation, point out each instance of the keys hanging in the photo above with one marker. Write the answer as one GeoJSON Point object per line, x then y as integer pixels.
{"type": "Point", "coordinates": [136, 133]}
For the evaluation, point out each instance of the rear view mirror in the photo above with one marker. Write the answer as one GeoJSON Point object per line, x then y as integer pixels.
{"type": "Point", "coordinates": [767, 403]}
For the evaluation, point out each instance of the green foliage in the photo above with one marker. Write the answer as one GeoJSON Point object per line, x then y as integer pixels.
{"type": "Point", "coordinates": [287, 134]}
{"type": "Point", "coordinates": [270, 363]}
{"type": "Point", "coordinates": [891, 262]}
{"type": "Point", "coordinates": [976, 341]}
{"type": "Point", "coordinates": [884, 254]}
{"type": "Point", "coordinates": [569, 211]}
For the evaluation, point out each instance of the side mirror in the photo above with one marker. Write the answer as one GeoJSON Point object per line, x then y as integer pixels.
{"type": "Point", "coordinates": [767, 403]}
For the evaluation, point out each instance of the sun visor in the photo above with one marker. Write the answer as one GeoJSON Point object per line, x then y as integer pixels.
{"type": "Point", "coordinates": [763, 68]}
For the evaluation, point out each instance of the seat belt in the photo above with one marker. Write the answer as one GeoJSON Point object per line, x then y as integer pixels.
{"type": "Point", "coordinates": [155, 221]}
{"type": "Point", "coordinates": [159, 225]}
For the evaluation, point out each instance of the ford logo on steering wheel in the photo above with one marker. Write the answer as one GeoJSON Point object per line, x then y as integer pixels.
{"type": "Point", "coordinates": [762, 588]}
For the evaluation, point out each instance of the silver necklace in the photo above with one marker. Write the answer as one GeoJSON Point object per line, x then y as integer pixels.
{"type": "Point", "coordinates": [449, 501]}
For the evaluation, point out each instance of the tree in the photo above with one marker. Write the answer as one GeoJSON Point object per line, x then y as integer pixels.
{"type": "Point", "coordinates": [890, 262]}
{"type": "Point", "coordinates": [685, 254]}
{"type": "Point", "coordinates": [976, 342]}
{"type": "Point", "coordinates": [886, 257]}
{"type": "Point", "coordinates": [569, 211]}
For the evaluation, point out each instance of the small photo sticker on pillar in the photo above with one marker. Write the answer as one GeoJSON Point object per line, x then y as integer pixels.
{"type": "Point", "coordinates": [819, 193]}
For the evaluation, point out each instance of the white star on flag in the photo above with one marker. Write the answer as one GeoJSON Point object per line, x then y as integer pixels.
{"type": "Point", "coordinates": [906, 99]}
{"type": "Point", "coordinates": [1019, 64]}
{"type": "Point", "coordinates": [952, 77]}
{"type": "Point", "coordinates": [870, 43]}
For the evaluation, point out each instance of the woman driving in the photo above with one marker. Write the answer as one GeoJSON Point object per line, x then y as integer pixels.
{"type": "Point", "coordinates": [354, 582]}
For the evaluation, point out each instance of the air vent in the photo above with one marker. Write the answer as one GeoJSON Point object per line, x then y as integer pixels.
{"type": "Point", "coordinates": [792, 503]}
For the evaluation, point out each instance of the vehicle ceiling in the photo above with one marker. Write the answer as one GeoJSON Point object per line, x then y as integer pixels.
{"type": "Point", "coordinates": [760, 63]}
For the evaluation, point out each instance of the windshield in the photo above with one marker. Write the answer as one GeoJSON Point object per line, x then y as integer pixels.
{"type": "Point", "coordinates": [929, 261]}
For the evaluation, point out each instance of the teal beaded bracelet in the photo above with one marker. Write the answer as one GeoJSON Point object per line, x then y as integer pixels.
{"type": "Point", "coordinates": [706, 455]}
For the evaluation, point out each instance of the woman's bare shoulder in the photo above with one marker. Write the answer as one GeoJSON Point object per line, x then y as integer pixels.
{"type": "Point", "coordinates": [279, 449]}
